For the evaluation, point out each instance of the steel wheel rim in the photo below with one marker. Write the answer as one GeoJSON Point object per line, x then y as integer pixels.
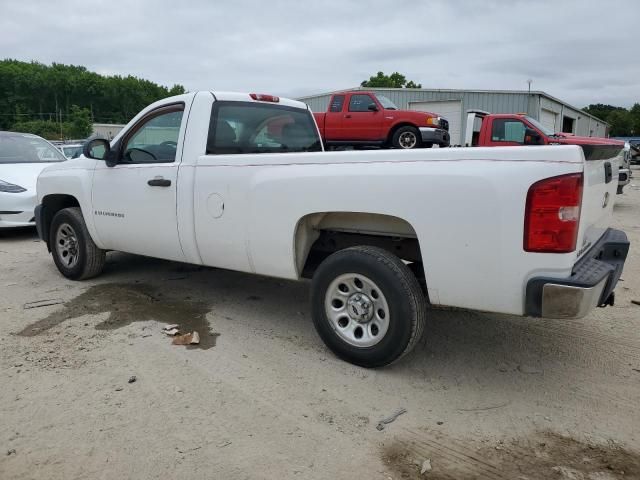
{"type": "Point", "coordinates": [67, 245]}
{"type": "Point", "coordinates": [357, 310]}
{"type": "Point", "coordinates": [407, 140]}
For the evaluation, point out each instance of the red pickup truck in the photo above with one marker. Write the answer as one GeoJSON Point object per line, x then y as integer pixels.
{"type": "Point", "coordinates": [370, 119]}
{"type": "Point", "coordinates": [508, 129]}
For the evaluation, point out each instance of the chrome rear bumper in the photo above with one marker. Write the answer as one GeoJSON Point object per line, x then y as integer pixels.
{"type": "Point", "coordinates": [591, 284]}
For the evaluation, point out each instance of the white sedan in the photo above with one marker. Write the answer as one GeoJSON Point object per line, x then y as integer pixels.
{"type": "Point", "coordinates": [22, 157]}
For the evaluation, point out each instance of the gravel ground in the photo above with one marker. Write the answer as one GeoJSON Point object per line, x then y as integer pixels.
{"type": "Point", "coordinates": [487, 396]}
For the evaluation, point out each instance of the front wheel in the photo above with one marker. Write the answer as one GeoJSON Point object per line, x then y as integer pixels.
{"type": "Point", "coordinates": [406, 138]}
{"type": "Point", "coordinates": [367, 306]}
{"type": "Point", "coordinates": [72, 247]}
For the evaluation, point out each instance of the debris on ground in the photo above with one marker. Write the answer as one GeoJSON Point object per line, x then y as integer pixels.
{"type": "Point", "coordinates": [192, 338]}
{"type": "Point", "coordinates": [132, 379]}
{"type": "Point", "coordinates": [529, 369]}
{"type": "Point", "coordinates": [171, 332]}
{"type": "Point", "coordinates": [389, 419]}
{"type": "Point", "coordinates": [224, 444]}
{"type": "Point", "coordinates": [568, 473]}
{"type": "Point", "coordinates": [635, 302]}
{"type": "Point", "coordinates": [426, 466]}
{"type": "Point", "coordinates": [11, 452]}
{"type": "Point", "coordinates": [42, 303]}
{"type": "Point", "coordinates": [119, 389]}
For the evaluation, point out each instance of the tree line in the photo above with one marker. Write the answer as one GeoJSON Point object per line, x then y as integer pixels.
{"type": "Point", "coordinates": [62, 101]}
{"type": "Point", "coordinates": [623, 122]}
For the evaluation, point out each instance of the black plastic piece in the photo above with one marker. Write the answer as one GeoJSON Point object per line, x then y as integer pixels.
{"type": "Point", "coordinates": [605, 259]}
{"type": "Point", "coordinates": [39, 215]}
{"type": "Point", "coordinates": [601, 152]}
{"type": "Point", "coordinates": [159, 182]}
{"type": "Point", "coordinates": [608, 172]}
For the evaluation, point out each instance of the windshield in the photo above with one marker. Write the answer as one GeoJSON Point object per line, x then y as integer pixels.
{"type": "Point", "coordinates": [27, 149]}
{"type": "Point", "coordinates": [386, 103]}
{"type": "Point", "coordinates": [539, 126]}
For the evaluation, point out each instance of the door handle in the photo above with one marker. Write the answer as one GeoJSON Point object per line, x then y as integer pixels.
{"type": "Point", "coordinates": [347, 116]}
{"type": "Point", "coordinates": [159, 182]}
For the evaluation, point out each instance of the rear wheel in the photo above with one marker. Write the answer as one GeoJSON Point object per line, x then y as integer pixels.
{"type": "Point", "coordinates": [406, 138]}
{"type": "Point", "coordinates": [72, 247]}
{"type": "Point", "coordinates": [367, 306]}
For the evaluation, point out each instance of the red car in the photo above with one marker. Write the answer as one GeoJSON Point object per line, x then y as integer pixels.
{"type": "Point", "coordinates": [362, 118]}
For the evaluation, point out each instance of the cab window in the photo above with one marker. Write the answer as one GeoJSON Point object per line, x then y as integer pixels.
{"type": "Point", "coordinates": [360, 103]}
{"type": "Point", "coordinates": [156, 139]}
{"type": "Point", "coordinates": [507, 130]}
{"type": "Point", "coordinates": [337, 103]}
{"type": "Point", "coordinates": [248, 127]}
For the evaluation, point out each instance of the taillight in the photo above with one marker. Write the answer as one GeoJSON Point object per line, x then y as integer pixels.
{"type": "Point", "coordinates": [552, 214]}
{"type": "Point", "coordinates": [264, 98]}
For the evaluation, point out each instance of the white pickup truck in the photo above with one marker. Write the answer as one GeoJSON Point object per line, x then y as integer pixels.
{"type": "Point", "coordinates": [240, 182]}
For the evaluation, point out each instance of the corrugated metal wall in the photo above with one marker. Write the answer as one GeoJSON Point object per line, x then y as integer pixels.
{"type": "Point", "coordinates": [495, 102]}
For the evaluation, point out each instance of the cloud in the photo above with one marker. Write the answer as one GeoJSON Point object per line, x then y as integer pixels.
{"type": "Point", "coordinates": [569, 49]}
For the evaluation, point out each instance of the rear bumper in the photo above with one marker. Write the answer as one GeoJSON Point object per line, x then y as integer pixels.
{"type": "Point", "coordinates": [590, 285]}
{"type": "Point", "coordinates": [624, 177]}
{"type": "Point", "coordinates": [435, 136]}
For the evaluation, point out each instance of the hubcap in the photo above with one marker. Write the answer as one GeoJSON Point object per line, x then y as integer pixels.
{"type": "Point", "coordinates": [67, 245]}
{"type": "Point", "coordinates": [407, 140]}
{"type": "Point", "coordinates": [357, 310]}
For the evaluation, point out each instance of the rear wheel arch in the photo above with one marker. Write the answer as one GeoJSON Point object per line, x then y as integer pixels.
{"type": "Point", "coordinates": [320, 234]}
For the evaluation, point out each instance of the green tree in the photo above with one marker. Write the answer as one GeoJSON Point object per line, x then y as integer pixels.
{"type": "Point", "coordinates": [623, 122]}
{"type": "Point", "coordinates": [395, 80]}
{"type": "Point", "coordinates": [80, 125]}
{"type": "Point", "coordinates": [32, 91]}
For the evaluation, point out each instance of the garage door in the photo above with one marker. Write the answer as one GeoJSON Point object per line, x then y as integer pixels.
{"type": "Point", "coordinates": [451, 110]}
{"type": "Point", "coordinates": [548, 119]}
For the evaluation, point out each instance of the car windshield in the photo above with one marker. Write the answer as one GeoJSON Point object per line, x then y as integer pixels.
{"type": "Point", "coordinates": [27, 149]}
{"type": "Point", "coordinates": [539, 126]}
{"type": "Point", "coordinates": [386, 103]}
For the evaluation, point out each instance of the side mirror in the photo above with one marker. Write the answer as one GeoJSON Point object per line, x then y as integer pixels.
{"type": "Point", "coordinates": [373, 107]}
{"type": "Point", "coordinates": [98, 148]}
{"type": "Point", "coordinates": [532, 137]}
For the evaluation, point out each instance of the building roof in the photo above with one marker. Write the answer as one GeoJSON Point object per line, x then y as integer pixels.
{"type": "Point", "coordinates": [451, 90]}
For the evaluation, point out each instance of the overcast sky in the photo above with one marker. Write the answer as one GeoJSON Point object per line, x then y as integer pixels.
{"type": "Point", "coordinates": [581, 51]}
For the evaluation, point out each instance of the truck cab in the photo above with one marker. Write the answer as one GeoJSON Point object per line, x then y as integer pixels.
{"type": "Point", "coordinates": [486, 129]}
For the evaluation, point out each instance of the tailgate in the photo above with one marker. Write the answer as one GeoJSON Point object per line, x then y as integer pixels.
{"type": "Point", "coordinates": [599, 191]}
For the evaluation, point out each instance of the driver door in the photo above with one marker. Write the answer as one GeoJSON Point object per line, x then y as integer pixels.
{"type": "Point", "coordinates": [134, 202]}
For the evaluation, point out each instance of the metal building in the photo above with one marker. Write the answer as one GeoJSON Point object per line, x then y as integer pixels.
{"type": "Point", "coordinates": [453, 105]}
{"type": "Point", "coordinates": [106, 130]}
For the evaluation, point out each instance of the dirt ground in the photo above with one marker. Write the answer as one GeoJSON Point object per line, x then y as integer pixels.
{"type": "Point", "coordinates": [486, 396]}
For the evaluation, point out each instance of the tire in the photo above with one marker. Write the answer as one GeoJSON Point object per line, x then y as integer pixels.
{"type": "Point", "coordinates": [390, 315]}
{"type": "Point", "coordinates": [406, 138]}
{"type": "Point", "coordinates": [72, 247]}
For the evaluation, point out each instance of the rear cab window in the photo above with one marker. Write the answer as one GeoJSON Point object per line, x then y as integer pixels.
{"type": "Point", "coordinates": [252, 127]}
{"type": "Point", "coordinates": [336, 103]}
